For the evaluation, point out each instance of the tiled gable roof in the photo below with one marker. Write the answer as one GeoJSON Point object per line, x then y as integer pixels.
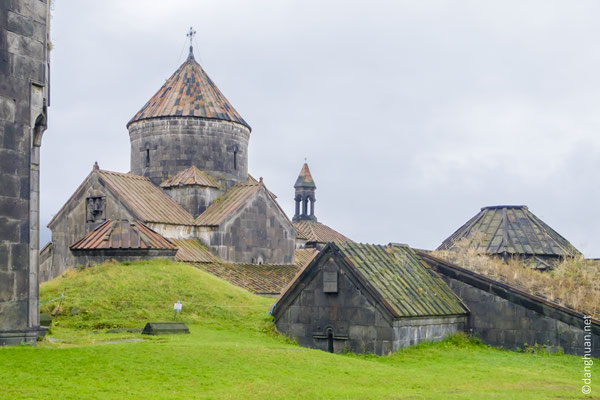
{"type": "Point", "coordinates": [189, 92]}
{"type": "Point", "coordinates": [147, 201]}
{"type": "Point", "coordinates": [401, 280]}
{"type": "Point", "coordinates": [303, 257]}
{"type": "Point", "coordinates": [392, 274]}
{"type": "Point", "coordinates": [235, 198]}
{"type": "Point", "coordinates": [314, 231]}
{"type": "Point", "coordinates": [192, 250]}
{"type": "Point", "coordinates": [222, 208]}
{"type": "Point", "coordinates": [512, 230]}
{"type": "Point", "coordinates": [260, 279]}
{"type": "Point", "coordinates": [123, 234]}
{"type": "Point", "coordinates": [190, 176]}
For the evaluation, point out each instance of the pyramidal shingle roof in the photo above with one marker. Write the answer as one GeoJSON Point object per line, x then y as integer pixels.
{"type": "Point", "coordinates": [305, 179]}
{"type": "Point", "coordinates": [189, 92]}
{"type": "Point", "coordinates": [512, 230]}
{"type": "Point", "coordinates": [190, 176]}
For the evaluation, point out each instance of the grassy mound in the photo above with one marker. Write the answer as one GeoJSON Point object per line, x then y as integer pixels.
{"type": "Point", "coordinates": [128, 295]}
{"type": "Point", "coordinates": [232, 353]}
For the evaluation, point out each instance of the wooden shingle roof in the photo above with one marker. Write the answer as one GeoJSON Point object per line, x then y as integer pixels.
{"type": "Point", "coordinates": [511, 230]}
{"type": "Point", "coordinates": [123, 234]}
{"type": "Point", "coordinates": [190, 176]}
{"type": "Point", "coordinates": [147, 201]}
{"type": "Point", "coordinates": [314, 231]}
{"type": "Point", "coordinates": [189, 92]}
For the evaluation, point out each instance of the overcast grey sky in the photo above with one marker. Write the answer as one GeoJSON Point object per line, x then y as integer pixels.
{"type": "Point", "coordinates": [412, 114]}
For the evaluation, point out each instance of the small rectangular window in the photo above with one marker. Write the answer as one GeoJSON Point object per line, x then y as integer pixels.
{"type": "Point", "coordinates": [330, 281]}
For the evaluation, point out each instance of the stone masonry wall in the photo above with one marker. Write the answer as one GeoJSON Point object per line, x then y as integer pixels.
{"type": "Point", "coordinates": [500, 322]}
{"type": "Point", "coordinates": [411, 331]}
{"type": "Point", "coordinates": [259, 233]}
{"type": "Point", "coordinates": [193, 198]}
{"type": "Point", "coordinates": [91, 258]}
{"type": "Point", "coordinates": [70, 225]}
{"type": "Point", "coordinates": [23, 101]}
{"type": "Point", "coordinates": [357, 324]}
{"type": "Point", "coordinates": [177, 143]}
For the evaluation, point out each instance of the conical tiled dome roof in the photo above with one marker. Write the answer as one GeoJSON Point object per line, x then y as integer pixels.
{"type": "Point", "coordinates": [189, 92]}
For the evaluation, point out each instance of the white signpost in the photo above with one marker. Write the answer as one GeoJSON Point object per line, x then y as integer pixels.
{"type": "Point", "coordinates": [177, 307]}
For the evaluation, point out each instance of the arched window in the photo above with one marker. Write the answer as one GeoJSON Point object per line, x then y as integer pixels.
{"type": "Point", "coordinates": [147, 157]}
{"type": "Point", "coordinates": [235, 153]}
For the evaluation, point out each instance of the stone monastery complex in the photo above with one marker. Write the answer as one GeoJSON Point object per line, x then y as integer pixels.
{"type": "Point", "coordinates": [188, 196]}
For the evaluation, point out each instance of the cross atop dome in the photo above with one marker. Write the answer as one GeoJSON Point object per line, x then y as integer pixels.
{"type": "Point", "coordinates": [191, 35]}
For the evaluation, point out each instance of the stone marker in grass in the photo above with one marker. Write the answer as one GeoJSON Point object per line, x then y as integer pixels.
{"type": "Point", "coordinates": [45, 319]}
{"type": "Point", "coordinates": [165, 328]}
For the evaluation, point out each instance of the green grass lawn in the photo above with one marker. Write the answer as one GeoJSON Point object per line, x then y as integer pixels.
{"type": "Point", "coordinates": [233, 351]}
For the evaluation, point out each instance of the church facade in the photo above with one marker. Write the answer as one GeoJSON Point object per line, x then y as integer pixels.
{"type": "Point", "coordinates": [188, 184]}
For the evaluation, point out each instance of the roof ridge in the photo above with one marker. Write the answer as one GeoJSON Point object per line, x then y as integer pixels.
{"type": "Point", "coordinates": [126, 174]}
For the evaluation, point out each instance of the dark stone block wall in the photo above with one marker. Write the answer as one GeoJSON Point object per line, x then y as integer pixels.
{"type": "Point", "coordinates": [23, 102]}
{"type": "Point", "coordinates": [504, 323]}
{"type": "Point", "coordinates": [259, 234]}
{"type": "Point", "coordinates": [94, 257]}
{"type": "Point", "coordinates": [177, 143]}
{"type": "Point", "coordinates": [359, 323]}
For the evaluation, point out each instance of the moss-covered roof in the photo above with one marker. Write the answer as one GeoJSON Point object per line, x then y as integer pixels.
{"type": "Point", "coordinates": [406, 285]}
{"type": "Point", "coordinates": [313, 231]}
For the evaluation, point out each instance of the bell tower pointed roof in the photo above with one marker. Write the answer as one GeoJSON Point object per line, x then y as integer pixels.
{"type": "Point", "coordinates": [189, 92]}
{"type": "Point", "coordinates": [305, 179]}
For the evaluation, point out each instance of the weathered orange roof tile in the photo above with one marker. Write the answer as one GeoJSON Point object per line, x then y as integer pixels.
{"type": "Point", "coordinates": [192, 250]}
{"type": "Point", "coordinates": [314, 231]}
{"type": "Point", "coordinates": [123, 234]}
{"type": "Point", "coordinates": [147, 201]}
{"type": "Point", "coordinates": [189, 92]}
{"type": "Point", "coordinates": [190, 176]}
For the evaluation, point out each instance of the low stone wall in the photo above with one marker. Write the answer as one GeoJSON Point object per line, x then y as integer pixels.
{"type": "Point", "coordinates": [506, 317]}
{"type": "Point", "coordinates": [90, 258]}
{"type": "Point", "coordinates": [411, 331]}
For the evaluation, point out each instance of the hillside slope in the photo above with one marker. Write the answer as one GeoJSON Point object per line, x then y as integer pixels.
{"type": "Point", "coordinates": [233, 352]}
{"type": "Point", "coordinates": [128, 295]}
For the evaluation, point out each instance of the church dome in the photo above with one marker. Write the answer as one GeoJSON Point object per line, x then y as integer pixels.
{"type": "Point", "coordinates": [189, 122]}
{"type": "Point", "coordinates": [189, 92]}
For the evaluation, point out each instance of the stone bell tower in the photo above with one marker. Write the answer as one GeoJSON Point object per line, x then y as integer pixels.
{"type": "Point", "coordinates": [187, 123]}
{"type": "Point", "coordinates": [305, 196]}
{"type": "Point", "coordinates": [23, 102]}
